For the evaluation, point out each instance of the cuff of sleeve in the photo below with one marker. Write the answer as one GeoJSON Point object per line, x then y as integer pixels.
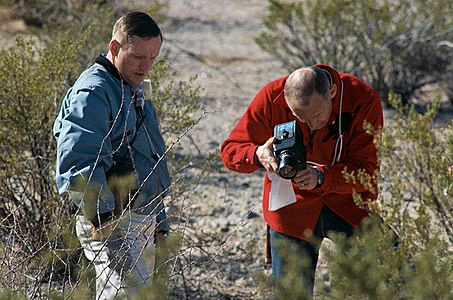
{"type": "Point", "coordinates": [251, 158]}
{"type": "Point", "coordinates": [329, 179]}
{"type": "Point", "coordinates": [320, 177]}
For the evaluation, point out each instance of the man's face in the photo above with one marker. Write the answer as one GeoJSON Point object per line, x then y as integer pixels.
{"type": "Point", "coordinates": [135, 59]}
{"type": "Point", "coordinates": [316, 114]}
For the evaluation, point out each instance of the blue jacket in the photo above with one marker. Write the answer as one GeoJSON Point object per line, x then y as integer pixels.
{"type": "Point", "coordinates": [98, 126]}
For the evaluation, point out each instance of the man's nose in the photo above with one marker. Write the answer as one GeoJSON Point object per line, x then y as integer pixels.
{"type": "Point", "coordinates": [146, 66]}
{"type": "Point", "coordinates": [307, 122]}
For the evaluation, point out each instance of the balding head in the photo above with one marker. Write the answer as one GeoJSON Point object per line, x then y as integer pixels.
{"type": "Point", "coordinates": [305, 82]}
{"type": "Point", "coordinates": [309, 94]}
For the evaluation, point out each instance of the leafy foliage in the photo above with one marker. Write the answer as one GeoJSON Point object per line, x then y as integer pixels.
{"type": "Point", "coordinates": [175, 102]}
{"type": "Point", "coordinates": [371, 267]}
{"type": "Point", "coordinates": [36, 81]}
{"type": "Point", "coordinates": [415, 201]}
{"type": "Point", "coordinates": [417, 156]}
{"type": "Point", "coordinates": [397, 46]}
{"type": "Point", "coordinates": [40, 255]}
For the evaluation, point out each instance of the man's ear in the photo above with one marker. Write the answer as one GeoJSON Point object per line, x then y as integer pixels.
{"type": "Point", "coordinates": [114, 47]}
{"type": "Point", "coordinates": [333, 91]}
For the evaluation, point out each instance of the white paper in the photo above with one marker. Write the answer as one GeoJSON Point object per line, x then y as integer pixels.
{"type": "Point", "coordinates": [282, 192]}
{"type": "Point", "coordinates": [147, 89]}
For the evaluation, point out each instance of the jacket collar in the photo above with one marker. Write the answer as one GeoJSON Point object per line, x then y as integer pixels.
{"type": "Point", "coordinates": [340, 83]}
{"type": "Point", "coordinates": [107, 64]}
{"type": "Point", "coordinates": [103, 61]}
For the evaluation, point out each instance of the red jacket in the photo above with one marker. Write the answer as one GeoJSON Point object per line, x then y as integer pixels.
{"type": "Point", "coordinates": [359, 104]}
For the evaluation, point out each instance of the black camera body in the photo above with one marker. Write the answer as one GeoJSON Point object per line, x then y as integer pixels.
{"type": "Point", "coordinates": [289, 149]}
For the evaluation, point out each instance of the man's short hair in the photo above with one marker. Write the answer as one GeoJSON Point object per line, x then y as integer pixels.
{"type": "Point", "coordinates": [135, 23]}
{"type": "Point", "coordinates": [304, 82]}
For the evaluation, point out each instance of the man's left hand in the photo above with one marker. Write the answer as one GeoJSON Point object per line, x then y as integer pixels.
{"type": "Point", "coordinates": [307, 179]}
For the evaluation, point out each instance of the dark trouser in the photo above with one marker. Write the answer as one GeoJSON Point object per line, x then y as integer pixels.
{"type": "Point", "coordinates": [293, 255]}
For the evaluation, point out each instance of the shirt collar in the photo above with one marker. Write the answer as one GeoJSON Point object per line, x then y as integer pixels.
{"type": "Point", "coordinates": [107, 64]}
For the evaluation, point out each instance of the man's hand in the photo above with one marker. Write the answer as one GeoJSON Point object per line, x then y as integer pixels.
{"type": "Point", "coordinates": [108, 230]}
{"type": "Point", "coordinates": [307, 179]}
{"type": "Point", "coordinates": [265, 155]}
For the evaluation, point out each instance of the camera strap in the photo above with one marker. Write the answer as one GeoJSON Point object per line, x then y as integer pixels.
{"type": "Point", "coordinates": [339, 144]}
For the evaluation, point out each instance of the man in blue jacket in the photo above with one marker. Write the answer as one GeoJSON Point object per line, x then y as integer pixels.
{"type": "Point", "coordinates": [111, 158]}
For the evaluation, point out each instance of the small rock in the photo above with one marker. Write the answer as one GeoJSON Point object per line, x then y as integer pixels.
{"type": "Point", "coordinates": [237, 221]}
{"type": "Point", "coordinates": [224, 225]}
{"type": "Point", "coordinates": [325, 276]}
{"type": "Point", "coordinates": [223, 179]}
{"type": "Point", "coordinates": [252, 215]}
{"type": "Point", "coordinates": [256, 266]}
{"type": "Point", "coordinates": [217, 211]}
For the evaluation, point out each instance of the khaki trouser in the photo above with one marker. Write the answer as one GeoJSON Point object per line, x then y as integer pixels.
{"type": "Point", "coordinates": [123, 258]}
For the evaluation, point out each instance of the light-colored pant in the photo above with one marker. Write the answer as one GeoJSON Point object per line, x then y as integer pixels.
{"type": "Point", "coordinates": [123, 260]}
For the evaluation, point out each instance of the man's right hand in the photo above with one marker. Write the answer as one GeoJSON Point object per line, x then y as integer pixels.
{"type": "Point", "coordinates": [109, 230]}
{"type": "Point", "coordinates": [265, 155]}
{"type": "Point", "coordinates": [103, 225]}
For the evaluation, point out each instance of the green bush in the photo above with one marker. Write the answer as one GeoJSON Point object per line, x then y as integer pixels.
{"type": "Point", "coordinates": [399, 46]}
{"type": "Point", "coordinates": [416, 174]}
{"type": "Point", "coordinates": [35, 81]}
{"type": "Point", "coordinates": [371, 267]}
{"type": "Point", "coordinates": [415, 201]}
{"type": "Point", "coordinates": [40, 255]}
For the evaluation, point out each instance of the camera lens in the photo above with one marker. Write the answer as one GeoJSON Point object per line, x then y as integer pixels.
{"type": "Point", "coordinates": [287, 172]}
{"type": "Point", "coordinates": [288, 165]}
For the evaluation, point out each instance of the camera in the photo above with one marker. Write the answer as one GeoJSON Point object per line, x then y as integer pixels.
{"type": "Point", "coordinates": [289, 149]}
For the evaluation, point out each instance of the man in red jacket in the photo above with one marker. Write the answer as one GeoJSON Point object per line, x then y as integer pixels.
{"type": "Point", "coordinates": [331, 110]}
